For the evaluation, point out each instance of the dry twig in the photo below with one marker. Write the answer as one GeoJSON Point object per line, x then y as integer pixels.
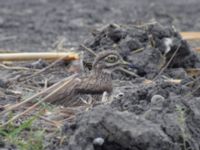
{"type": "Point", "coordinates": [35, 56]}
{"type": "Point", "coordinates": [172, 57]}
{"type": "Point", "coordinates": [44, 69]}
{"type": "Point", "coordinates": [39, 102]}
{"type": "Point", "coordinates": [13, 67]}
{"type": "Point", "coordinates": [48, 90]}
{"type": "Point", "coordinates": [190, 35]}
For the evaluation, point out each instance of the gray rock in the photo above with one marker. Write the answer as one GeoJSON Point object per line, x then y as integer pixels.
{"type": "Point", "coordinates": [120, 131]}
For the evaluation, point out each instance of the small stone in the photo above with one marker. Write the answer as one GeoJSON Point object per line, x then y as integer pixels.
{"type": "Point", "coordinates": [168, 44]}
{"type": "Point", "coordinates": [157, 102]}
{"type": "Point", "coordinates": [120, 95]}
{"type": "Point", "coordinates": [98, 141]}
{"type": "Point", "coordinates": [157, 98]}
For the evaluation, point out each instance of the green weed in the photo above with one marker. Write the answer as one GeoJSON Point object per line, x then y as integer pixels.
{"type": "Point", "coordinates": [182, 125]}
{"type": "Point", "coordinates": [20, 138]}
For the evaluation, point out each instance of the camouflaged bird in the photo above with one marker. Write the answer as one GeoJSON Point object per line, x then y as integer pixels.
{"type": "Point", "coordinates": [94, 84]}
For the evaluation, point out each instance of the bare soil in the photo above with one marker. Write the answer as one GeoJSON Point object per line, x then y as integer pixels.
{"type": "Point", "coordinates": [149, 112]}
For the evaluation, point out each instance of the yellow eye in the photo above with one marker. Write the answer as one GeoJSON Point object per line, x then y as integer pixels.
{"type": "Point", "coordinates": [111, 59]}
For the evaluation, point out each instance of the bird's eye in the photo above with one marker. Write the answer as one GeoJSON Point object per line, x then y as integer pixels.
{"type": "Point", "coordinates": [111, 59]}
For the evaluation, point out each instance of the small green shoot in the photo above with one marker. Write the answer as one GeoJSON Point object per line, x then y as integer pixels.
{"type": "Point", "coordinates": [182, 125]}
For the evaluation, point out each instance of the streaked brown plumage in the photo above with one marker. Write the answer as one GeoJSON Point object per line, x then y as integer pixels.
{"type": "Point", "coordinates": [96, 82]}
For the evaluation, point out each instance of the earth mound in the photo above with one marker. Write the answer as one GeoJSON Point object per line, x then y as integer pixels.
{"type": "Point", "coordinates": [158, 109]}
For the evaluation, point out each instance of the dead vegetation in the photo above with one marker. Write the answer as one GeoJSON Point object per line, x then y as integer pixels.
{"type": "Point", "coordinates": [32, 111]}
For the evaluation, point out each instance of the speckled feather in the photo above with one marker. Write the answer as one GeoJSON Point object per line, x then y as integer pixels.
{"type": "Point", "coordinates": [95, 83]}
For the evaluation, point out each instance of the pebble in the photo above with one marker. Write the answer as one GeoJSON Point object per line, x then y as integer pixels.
{"type": "Point", "coordinates": [98, 141]}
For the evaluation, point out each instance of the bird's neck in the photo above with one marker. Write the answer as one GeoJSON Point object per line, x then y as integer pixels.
{"type": "Point", "coordinates": [102, 80]}
{"type": "Point", "coordinates": [102, 73]}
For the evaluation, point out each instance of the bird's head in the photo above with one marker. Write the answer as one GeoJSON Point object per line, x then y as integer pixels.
{"type": "Point", "coordinates": [108, 61]}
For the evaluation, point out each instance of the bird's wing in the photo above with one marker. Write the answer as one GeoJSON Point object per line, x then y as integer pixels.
{"type": "Point", "coordinates": [64, 90]}
{"type": "Point", "coordinates": [94, 85]}
{"type": "Point", "coordinates": [69, 91]}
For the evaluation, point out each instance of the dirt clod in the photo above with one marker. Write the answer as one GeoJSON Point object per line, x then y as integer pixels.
{"type": "Point", "coordinates": [157, 109]}
{"type": "Point", "coordinates": [148, 43]}
{"type": "Point", "coordinates": [144, 114]}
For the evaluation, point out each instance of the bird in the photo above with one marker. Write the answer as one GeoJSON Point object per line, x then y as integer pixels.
{"type": "Point", "coordinates": [93, 84]}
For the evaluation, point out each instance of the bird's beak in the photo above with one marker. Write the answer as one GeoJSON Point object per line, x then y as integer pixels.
{"type": "Point", "coordinates": [124, 62]}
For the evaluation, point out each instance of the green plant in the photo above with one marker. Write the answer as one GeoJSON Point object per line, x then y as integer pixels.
{"type": "Point", "coordinates": [182, 125]}
{"type": "Point", "coordinates": [17, 136]}
{"type": "Point", "coordinates": [35, 141]}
